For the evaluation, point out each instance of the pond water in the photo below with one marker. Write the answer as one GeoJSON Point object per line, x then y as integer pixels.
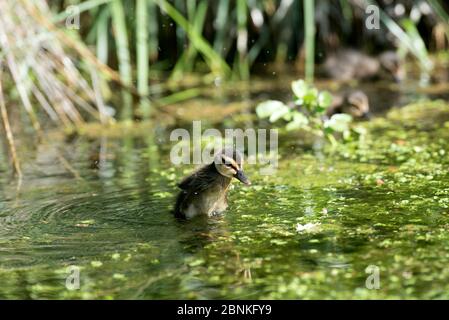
{"type": "Point", "coordinates": [379, 201]}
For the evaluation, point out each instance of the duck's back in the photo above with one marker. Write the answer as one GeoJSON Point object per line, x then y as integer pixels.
{"type": "Point", "coordinates": [199, 192]}
{"type": "Point", "coordinates": [348, 64]}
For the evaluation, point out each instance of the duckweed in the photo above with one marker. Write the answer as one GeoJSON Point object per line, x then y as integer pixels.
{"type": "Point", "coordinates": [309, 231]}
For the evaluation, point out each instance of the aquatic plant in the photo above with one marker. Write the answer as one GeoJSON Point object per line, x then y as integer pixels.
{"type": "Point", "coordinates": [309, 28]}
{"type": "Point", "coordinates": [155, 38]}
{"type": "Point", "coordinates": [35, 59]}
{"type": "Point", "coordinates": [306, 112]}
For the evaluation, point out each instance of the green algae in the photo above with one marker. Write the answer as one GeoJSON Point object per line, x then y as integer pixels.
{"type": "Point", "coordinates": [380, 199]}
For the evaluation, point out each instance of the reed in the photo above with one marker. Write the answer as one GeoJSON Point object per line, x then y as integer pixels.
{"type": "Point", "coordinates": [142, 54]}
{"type": "Point", "coordinates": [408, 37]}
{"type": "Point", "coordinates": [214, 61]}
{"type": "Point", "coordinates": [242, 39]}
{"type": "Point", "coordinates": [222, 37]}
{"type": "Point", "coordinates": [309, 27]}
{"type": "Point", "coordinates": [123, 54]}
{"type": "Point", "coordinates": [187, 59]}
{"type": "Point", "coordinates": [242, 34]}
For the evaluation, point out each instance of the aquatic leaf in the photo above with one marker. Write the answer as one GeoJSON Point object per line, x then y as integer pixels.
{"type": "Point", "coordinates": [307, 227]}
{"type": "Point", "coordinates": [119, 276]}
{"type": "Point", "coordinates": [90, 221]}
{"type": "Point", "coordinates": [281, 112]}
{"type": "Point", "coordinates": [299, 121]}
{"type": "Point", "coordinates": [196, 263]}
{"type": "Point", "coordinates": [311, 97]}
{"type": "Point", "coordinates": [162, 195]}
{"type": "Point", "coordinates": [96, 264]}
{"type": "Point", "coordinates": [115, 256]}
{"type": "Point", "coordinates": [267, 108]}
{"type": "Point", "coordinates": [300, 88]}
{"type": "Point", "coordinates": [278, 242]}
{"type": "Point", "coordinates": [339, 122]}
{"type": "Point", "coordinates": [324, 99]}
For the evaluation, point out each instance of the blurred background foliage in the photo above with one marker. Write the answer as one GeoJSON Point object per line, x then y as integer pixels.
{"type": "Point", "coordinates": [158, 51]}
{"type": "Point", "coordinates": [182, 36]}
{"type": "Point", "coordinates": [150, 41]}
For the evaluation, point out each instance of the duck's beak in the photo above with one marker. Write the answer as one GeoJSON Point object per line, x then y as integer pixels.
{"type": "Point", "coordinates": [397, 78]}
{"type": "Point", "coordinates": [241, 176]}
{"type": "Point", "coordinates": [367, 116]}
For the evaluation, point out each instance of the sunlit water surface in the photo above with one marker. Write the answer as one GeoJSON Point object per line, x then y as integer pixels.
{"type": "Point", "coordinates": [385, 205]}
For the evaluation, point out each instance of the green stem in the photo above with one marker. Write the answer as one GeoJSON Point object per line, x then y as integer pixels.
{"type": "Point", "coordinates": [142, 54]}
{"type": "Point", "coordinates": [121, 38]}
{"type": "Point", "coordinates": [309, 26]}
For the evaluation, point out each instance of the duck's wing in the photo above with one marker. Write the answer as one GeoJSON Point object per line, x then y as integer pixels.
{"type": "Point", "coordinates": [187, 182]}
{"type": "Point", "coordinates": [190, 187]}
{"type": "Point", "coordinates": [199, 180]}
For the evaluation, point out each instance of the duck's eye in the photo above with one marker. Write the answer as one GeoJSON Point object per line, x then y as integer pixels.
{"type": "Point", "coordinates": [228, 165]}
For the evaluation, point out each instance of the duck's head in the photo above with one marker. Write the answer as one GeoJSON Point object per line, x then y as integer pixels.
{"type": "Point", "coordinates": [392, 65]}
{"type": "Point", "coordinates": [229, 163]}
{"type": "Point", "coordinates": [357, 105]}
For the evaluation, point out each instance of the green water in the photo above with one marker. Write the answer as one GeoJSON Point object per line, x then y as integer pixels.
{"type": "Point", "coordinates": [382, 200]}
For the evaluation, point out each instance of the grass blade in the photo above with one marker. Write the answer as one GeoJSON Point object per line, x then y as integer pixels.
{"type": "Point", "coordinates": [121, 39]}
{"type": "Point", "coordinates": [142, 52]}
{"type": "Point", "coordinates": [242, 39]}
{"type": "Point", "coordinates": [214, 60]}
{"type": "Point", "coordinates": [309, 27]}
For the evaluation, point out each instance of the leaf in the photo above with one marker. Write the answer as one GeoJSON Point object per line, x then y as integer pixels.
{"type": "Point", "coordinates": [339, 122]}
{"type": "Point", "coordinates": [324, 99]}
{"type": "Point", "coordinates": [299, 102]}
{"type": "Point", "coordinates": [299, 121]}
{"type": "Point", "coordinates": [281, 112]}
{"type": "Point", "coordinates": [311, 97]}
{"type": "Point", "coordinates": [96, 263]}
{"type": "Point", "coordinates": [288, 116]}
{"type": "Point", "coordinates": [267, 108]}
{"type": "Point", "coordinates": [308, 227]}
{"type": "Point", "coordinates": [300, 88]}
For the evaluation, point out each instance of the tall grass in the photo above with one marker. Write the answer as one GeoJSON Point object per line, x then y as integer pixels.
{"type": "Point", "coordinates": [214, 61]}
{"type": "Point", "coordinates": [223, 38]}
{"type": "Point", "coordinates": [34, 62]}
{"type": "Point", "coordinates": [123, 54]}
{"type": "Point", "coordinates": [408, 37]}
{"type": "Point", "coordinates": [142, 54]}
{"type": "Point", "coordinates": [309, 26]}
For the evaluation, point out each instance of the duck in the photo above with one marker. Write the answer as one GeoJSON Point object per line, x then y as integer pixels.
{"type": "Point", "coordinates": [350, 64]}
{"type": "Point", "coordinates": [354, 103]}
{"type": "Point", "coordinates": [204, 192]}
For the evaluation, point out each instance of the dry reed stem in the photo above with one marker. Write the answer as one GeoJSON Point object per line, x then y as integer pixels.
{"type": "Point", "coordinates": [9, 134]}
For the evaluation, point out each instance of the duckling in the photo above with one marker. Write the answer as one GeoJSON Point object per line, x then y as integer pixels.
{"type": "Point", "coordinates": [354, 103]}
{"type": "Point", "coordinates": [205, 191]}
{"type": "Point", "coordinates": [391, 66]}
{"type": "Point", "coordinates": [348, 64]}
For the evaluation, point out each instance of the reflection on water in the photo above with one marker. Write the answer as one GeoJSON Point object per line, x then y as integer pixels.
{"type": "Point", "coordinates": [116, 224]}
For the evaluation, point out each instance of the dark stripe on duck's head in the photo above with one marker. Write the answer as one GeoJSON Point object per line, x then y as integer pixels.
{"type": "Point", "coordinates": [228, 155]}
{"type": "Point", "coordinates": [229, 163]}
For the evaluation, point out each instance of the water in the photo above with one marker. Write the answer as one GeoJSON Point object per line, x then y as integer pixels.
{"type": "Point", "coordinates": [381, 202]}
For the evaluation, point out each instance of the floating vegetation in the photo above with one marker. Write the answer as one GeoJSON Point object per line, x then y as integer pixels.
{"type": "Point", "coordinates": [307, 112]}
{"type": "Point", "coordinates": [320, 221]}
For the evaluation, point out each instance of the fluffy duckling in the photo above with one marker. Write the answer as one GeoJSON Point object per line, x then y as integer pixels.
{"type": "Point", "coordinates": [354, 103]}
{"type": "Point", "coordinates": [348, 64]}
{"type": "Point", "coordinates": [205, 191]}
{"type": "Point", "coordinates": [391, 66]}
